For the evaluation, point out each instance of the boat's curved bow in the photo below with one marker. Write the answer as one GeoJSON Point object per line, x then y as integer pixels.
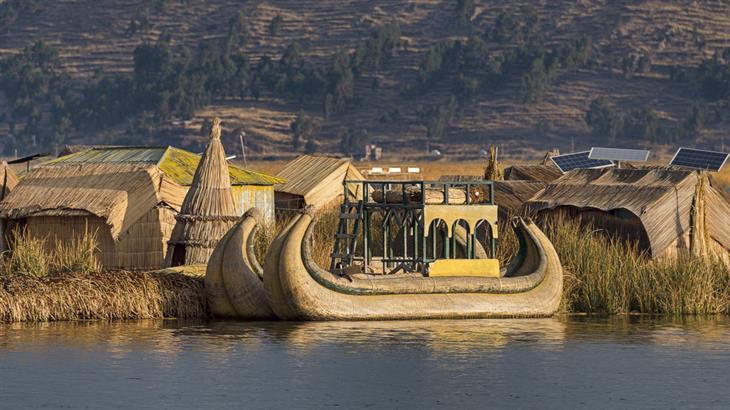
{"type": "Point", "coordinates": [532, 287]}
{"type": "Point", "coordinates": [234, 278]}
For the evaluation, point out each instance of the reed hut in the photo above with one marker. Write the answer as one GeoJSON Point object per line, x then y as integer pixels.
{"type": "Point", "coordinates": [664, 211]}
{"type": "Point", "coordinates": [127, 196]}
{"type": "Point", "coordinates": [315, 181]}
{"type": "Point", "coordinates": [8, 180]}
{"type": "Point", "coordinates": [209, 209]}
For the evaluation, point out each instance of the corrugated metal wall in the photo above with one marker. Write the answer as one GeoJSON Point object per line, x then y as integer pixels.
{"type": "Point", "coordinates": [261, 197]}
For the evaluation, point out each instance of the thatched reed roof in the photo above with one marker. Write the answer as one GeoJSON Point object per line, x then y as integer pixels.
{"type": "Point", "coordinates": [510, 196]}
{"type": "Point", "coordinates": [118, 193]}
{"type": "Point", "coordinates": [74, 149]}
{"type": "Point", "coordinates": [209, 208]}
{"type": "Point", "coordinates": [178, 164]}
{"type": "Point", "coordinates": [317, 179]}
{"type": "Point", "coordinates": [8, 180]}
{"type": "Point", "coordinates": [118, 184]}
{"type": "Point", "coordinates": [662, 199]}
{"type": "Point", "coordinates": [544, 173]}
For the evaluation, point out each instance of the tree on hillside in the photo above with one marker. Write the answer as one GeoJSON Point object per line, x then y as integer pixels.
{"type": "Point", "coordinates": [238, 32]}
{"type": "Point", "coordinates": [464, 10]}
{"type": "Point", "coordinates": [340, 83]}
{"type": "Point", "coordinates": [303, 129]}
{"type": "Point", "coordinates": [438, 118]}
{"type": "Point", "coordinates": [32, 81]}
{"type": "Point", "coordinates": [104, 102]}
{"type": "Point", "coordinates": [12, 10]}
{"type": "Point", "coordinates": [604, 119]}
{"type": "Point", "coordinates": [382, 44]}
{"type": "Point", "coordinates": [714, 78]}
{"type": "Point", "coordinates": [695, 122]}
{"type": "Point", "coordinates": [275, 25]}
{"type": "Point", "coordinates": [535, 82]}
{"type": "Point", "coordinates": [353, 140]}
{"type": "Point", "coordinates": [520, 28]}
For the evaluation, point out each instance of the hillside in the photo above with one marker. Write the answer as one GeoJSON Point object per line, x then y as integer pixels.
{"type": "Point", "coordinates": [662, 38]}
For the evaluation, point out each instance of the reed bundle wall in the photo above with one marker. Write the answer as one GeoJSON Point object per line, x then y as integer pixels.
{"type": "Point", "coordinates": [141, 247]}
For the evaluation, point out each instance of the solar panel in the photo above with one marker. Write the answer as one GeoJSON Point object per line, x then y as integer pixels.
{"type": "Point", "coordinates": [579, 160]}
{"type": "Point", "coordinates": [699, 159]}
{"type": "Point", "coordinates": [619, 154]}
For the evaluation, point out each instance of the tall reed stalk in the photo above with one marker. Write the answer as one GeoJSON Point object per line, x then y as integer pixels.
{"type": "Point", "coordinates": [605, 275]}
{"type": "Point", "coordinates": [32, 256]}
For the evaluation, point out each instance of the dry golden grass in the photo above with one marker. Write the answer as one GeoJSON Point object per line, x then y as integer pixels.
{"type": "Point", "coordinates": [67, 284]}
{"type": "Point", "coordinates": [31, 257]}
{"type": "Point", "coordinates": [604, 275]}
{"type": "Point", "coordinates": [111, 295]}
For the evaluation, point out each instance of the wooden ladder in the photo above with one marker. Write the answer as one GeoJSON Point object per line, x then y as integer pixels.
{"type": "Point", "coordinates": [346, 240]}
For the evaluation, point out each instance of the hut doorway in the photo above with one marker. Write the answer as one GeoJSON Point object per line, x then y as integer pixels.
{"type": "Point", "coordinates": [178, 255]}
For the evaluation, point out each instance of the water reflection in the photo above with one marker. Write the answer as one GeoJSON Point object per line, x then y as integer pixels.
{"type": "Point", "coordinates": [620, 362]}
{"type": "Point", "coordinates": [171, 336]}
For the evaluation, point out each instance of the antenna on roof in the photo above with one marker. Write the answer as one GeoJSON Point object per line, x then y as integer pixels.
{"type": "Point", "coordinates": [619, 154]}
{"type": "Point", "coordinates": [699, 159]}
{"type": "Point", "coordinates": [241, 137]}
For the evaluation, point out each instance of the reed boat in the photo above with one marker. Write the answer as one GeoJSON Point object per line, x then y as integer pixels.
{"type": "Point", "coordinates": [298, 289]}
{"type": "Point", "coordinates": [234, 278]}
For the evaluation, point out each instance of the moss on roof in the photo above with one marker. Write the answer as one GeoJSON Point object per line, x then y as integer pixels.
{"type": "Point", "coordinates": [181, 165]}
{"type": "Point", "coordinates": [176, 163]}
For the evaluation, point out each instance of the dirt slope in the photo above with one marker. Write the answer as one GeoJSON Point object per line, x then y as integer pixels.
{"type": "Point", "coordinates": [93, 35]}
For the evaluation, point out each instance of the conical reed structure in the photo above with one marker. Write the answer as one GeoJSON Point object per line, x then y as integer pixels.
{"type": "Point", "coordinates": [493, 172]}
{"type": "Point", "coordinates": [208, 211]}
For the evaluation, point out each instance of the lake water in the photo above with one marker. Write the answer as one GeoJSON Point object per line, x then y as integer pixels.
{"type": "Point", "coordinates": [561, 363]}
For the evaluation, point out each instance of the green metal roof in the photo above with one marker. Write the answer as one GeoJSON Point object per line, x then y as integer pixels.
{"type": "Point", "coordinates": [176, 163]}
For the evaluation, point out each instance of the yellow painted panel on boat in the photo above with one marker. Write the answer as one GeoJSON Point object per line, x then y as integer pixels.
{"type": "Point", "coordinates": [465, 267]}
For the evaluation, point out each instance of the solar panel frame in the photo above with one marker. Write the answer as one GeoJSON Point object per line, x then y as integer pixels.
{"type": "Point", "coordinates": [619, 154]}
{"type": "Point", "coordinates": [580, 163]}
{"type": "Point", "coordinates": [720, 159]}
